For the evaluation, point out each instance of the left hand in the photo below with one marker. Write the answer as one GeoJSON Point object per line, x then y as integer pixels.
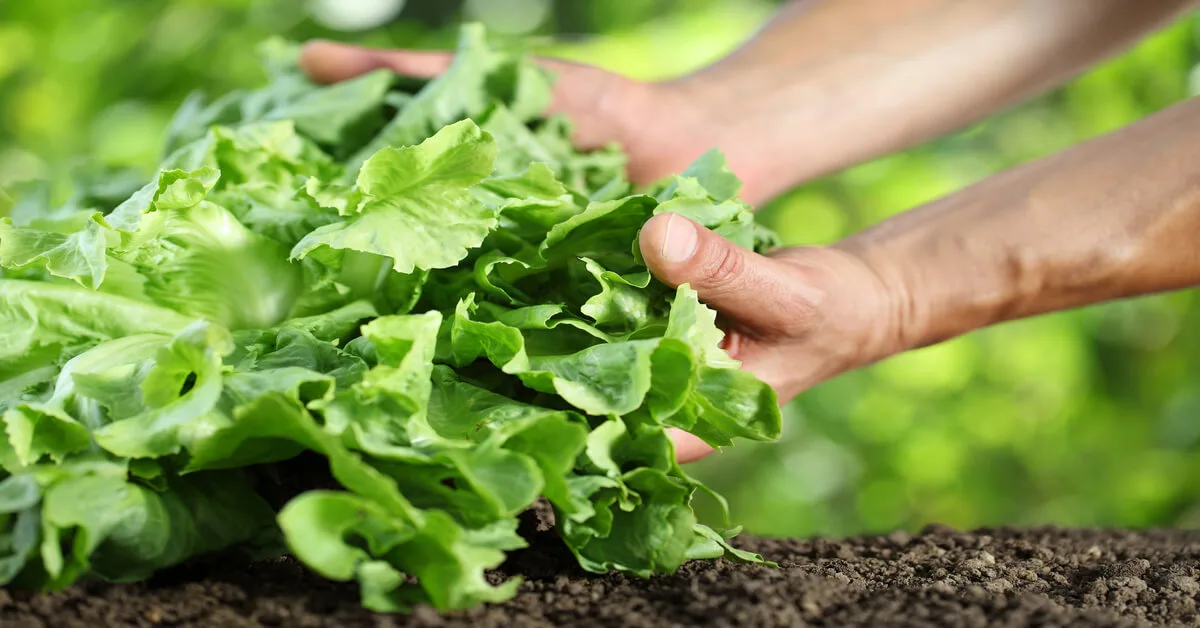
{"type": "Point", "coordinates": [658, 125]}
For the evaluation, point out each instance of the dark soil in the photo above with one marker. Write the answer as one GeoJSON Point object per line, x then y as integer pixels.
{"type": "Point", "coordinates": [995, 577]}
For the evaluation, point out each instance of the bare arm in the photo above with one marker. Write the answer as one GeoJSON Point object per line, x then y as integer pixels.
{"type": "Point", "coordinates": [830, 83]}
{"type": "Point", "coordinates": [1114, 217]}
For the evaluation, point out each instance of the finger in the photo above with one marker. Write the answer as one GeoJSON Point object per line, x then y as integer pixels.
{"type": "Point", "coordinates": [688, 448]}
{"type": "Point", "coordinates": [581, 91]}
{"type": "Point", "coordinates": [741, 285]}
{"type": "Point", "coordinates": [329, 62]}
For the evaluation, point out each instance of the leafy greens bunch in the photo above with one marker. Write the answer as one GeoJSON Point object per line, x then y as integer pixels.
{"type": "Point", "coordinates": [423, 286]}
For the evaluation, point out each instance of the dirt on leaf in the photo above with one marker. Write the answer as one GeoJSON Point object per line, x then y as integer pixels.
{"type": "Point", "coordinates": [938, 577]}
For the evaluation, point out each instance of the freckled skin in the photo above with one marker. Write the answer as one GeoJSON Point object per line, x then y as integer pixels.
{"type": "Point", "coordinates": [831, 83]}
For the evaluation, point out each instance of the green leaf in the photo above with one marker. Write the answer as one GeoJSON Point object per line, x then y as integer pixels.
{"type": "Point", "coordinates": [124, 532]}
{"type": "Point", "coordinates": [623, 302]}
{"type": "Point", "coordinates": [712, 172]}
{"type": "Point", "coordinates": [603, 232]}
{"type": "Point", "coordinates": [404, 347]}
{"type": "Point", "coordinates": [416, 208]}
{"type": "Point", "coordinates": [35, 431]}
{"type": "Point", "coordinates": [78, 256]}
{"type": "Point", "coordinates": [201, 261]}
{"type": "Point", "coordinates": [334, 324]}
{"type": "Point", "coordinates": [91, 387]}
{"type": "Point", "coordinates": [18, 492]}
{"type": "Point", "coordinates": [19, 544]}
{"type": "Point", "coordinates": [711, 544]}
{"type": "Point", "coordinates": [173, 189]}
{"type": "Point", "coordinates": [737, 403]}
{"type": "Point", "coordinates": [317, 525]}
{"type": "Point", "coordinates": [328, 114]}
{"type": "Point", "coordinates": [38, 321]}
{"type": "Point", "coordinates": [183, 385]}
{"type": "Point", "coordinates": [694, 323]}
{"type": "Point", "coordinates": [458, 93]}
{"type": "Point", "coordinates": [603, 379]}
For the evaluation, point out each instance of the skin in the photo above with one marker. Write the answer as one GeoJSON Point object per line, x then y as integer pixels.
{"type": "Point", "coordinates": [828, 84]}
{"type": "Point", "coordinates": [1114, 217]}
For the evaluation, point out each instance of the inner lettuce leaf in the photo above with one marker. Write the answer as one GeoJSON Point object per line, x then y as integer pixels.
{"type": "Point", "coordinates": [369, 327]}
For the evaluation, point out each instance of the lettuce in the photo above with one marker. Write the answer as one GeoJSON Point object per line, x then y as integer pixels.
{"type": "Point", "coordinates": [369, 342]}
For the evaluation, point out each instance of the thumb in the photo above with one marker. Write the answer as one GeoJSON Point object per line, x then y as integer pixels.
{"type": "Point", "coordinates": [740, 284]}
{"type": "Point", "coordinates": [330, 62]}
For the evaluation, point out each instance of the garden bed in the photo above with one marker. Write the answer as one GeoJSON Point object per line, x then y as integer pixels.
{"type": "Point", "coordinates": [1043, 576]}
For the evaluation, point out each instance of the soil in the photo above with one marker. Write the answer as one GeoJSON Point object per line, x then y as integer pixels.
{"type": "Point", "coordinates": [938, 577]}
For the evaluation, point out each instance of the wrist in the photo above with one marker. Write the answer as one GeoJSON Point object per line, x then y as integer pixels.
{"type": "Point", "coordinates": [959, 264]}
{"type": "Point", "coordinates": [932, 288]}
{"type": "Point", "coordinates": [782, 123]}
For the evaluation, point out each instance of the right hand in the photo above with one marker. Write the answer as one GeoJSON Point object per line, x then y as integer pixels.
{"type": "Point", "coordinates": [794, 318]}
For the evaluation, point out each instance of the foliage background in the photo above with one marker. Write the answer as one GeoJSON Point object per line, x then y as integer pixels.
{"type": "Point", "coordinates": [1090, 417]}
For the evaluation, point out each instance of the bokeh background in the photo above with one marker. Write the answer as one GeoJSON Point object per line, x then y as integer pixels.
{"type": "Point", "coordinates": [1090, 417]}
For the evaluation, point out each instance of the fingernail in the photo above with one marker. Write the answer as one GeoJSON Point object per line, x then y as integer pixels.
{"type": "Point", "coordinates": [679, 241]}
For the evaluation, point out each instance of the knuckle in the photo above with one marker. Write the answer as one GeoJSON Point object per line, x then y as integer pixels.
{"type": "Point", "coordinates": [722, 266]}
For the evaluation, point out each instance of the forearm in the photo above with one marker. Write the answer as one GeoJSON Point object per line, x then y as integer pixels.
{"type": "Point", "coordinates": [830, 83]}
{"type": "Point", "coordinates": [1114, 217]}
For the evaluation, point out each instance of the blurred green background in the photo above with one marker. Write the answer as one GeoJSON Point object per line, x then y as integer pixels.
{"type": "Point", "coordinates": [1090, 417]}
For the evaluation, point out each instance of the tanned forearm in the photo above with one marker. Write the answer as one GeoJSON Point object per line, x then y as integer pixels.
{"type": "Point", "coordinates": [830, 83]}
{"type": "Point", "coordinates": [1117, 216]}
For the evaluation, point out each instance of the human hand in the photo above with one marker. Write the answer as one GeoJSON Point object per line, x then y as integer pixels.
{"type": "Point", "coordinates": [794, 318]}
{"type": "Point", "coordinates": [659, 127]}
{"type": "Point", "coordinates": [1111, 218]}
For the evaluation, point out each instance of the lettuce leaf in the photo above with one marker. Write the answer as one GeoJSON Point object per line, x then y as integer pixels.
{"type": "Point", "coordinates": [369, 342]}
